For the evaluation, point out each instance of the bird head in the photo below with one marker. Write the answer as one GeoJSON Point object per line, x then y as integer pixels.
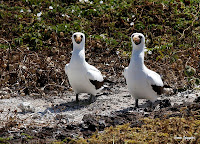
{"type": "Point", "coordinates": [138, 40]}
{"type": "Point", "coordinates": [78, 39]}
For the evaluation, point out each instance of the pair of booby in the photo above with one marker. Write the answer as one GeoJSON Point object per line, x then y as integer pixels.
{"type": "Point", "coordinates": [142, 82]}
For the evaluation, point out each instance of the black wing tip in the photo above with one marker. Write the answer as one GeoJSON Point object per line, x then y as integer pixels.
{"type": "Point", "coordinates": [158, 89]}
{"type": "Point", "coordinates": [97, 84]}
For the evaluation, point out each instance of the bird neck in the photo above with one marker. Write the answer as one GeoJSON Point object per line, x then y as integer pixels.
{"type": "Point", "coordinates": [78, 55]}
{"type": "Point", "coordinates": [137, 59]}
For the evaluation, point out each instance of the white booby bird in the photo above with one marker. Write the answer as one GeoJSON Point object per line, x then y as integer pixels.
{"type": "Point", "coordinates": [83, 77]}
{"type": "Point", "coordinates": [142, 82]}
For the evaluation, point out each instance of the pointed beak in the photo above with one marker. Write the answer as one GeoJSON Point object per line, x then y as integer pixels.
{"type": "Point", "coordinates": [137, 40]}
{"type": "Point", "coordinates": [78, 39]}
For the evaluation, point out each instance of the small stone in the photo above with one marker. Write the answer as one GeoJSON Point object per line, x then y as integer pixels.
{"type": "Point", "coordinates": [50, 7]}
{"type": "Point", "coordinates": [62, 57]}
{"type": "Point", "coordinates": [54, 50]}
{"type": "Point", "coordinates": [48, 59]}
{"type": "Point", "coordinates": [11, 67]}
{"type": "Point", "coordinates": [36, 116]}
{"type": "Point", "coordinates": [26, 107]}
{"type": "Point", "coordinates": [24, 67]}
{"type": "Point", "coordinates": [4, 65]}
{"type": "Point", "coordinates": [165, 103]}
{"type": "Point", "coordinates": [58, 117]}
{"type": "Point", "coordinates": [64, 121]}
{"type": "Point", "coordinates": [4, 95]}
{"type": "Point", "coordinates": [62, 34]}
{"type": "Point", "coordinates": [3, 92]}
{"type": "Point", "coordinates": [146, 114]}
{"type": "Point", "coordinates": [22, 94]}
{"type": "Point", "coordinates": [40, 71]}
{"type": "Point", "coordinates": [168, 91]}
{"type": "Point", "coordinates": [34, 95]}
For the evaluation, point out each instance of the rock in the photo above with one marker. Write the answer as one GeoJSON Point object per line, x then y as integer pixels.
{"type": "Point", "coordinates": [146, 114]}
{"type": "Point", "coordinates": [3, 92]}
{"type": "Point", "coordinates": [174, 108]}
{"type": "Point", "coordinates": [35, 95]}
{"type": "Point", "coordinates": [137, 123]}
{"type": "Point", "coordinates": [36, 116]}
{"type": "Point", "coordinates": [165, 103]}
{"type": "Point", "coordinates": [61, 118]}
{"type": "Point", "coordinates": [168, 91]}
{"type": "Point", "coordinates": [90, 125]}
{"type": "Point", "coordinates": [102, 125]}
{"type": "Point", "coordinates": [178, 114]}
{"type": "Point", "coordinates": [4, 95]}
{"type": "Point", "coordinates": [71, 127]}
{"type": "Point", "coordinates": [26, 107]}
{"type": "Point", "coordinates": [63, 137]}
{"type": "Point", "coordinates": [22, 94]}
{"type": "Point", "coordinates": [197, 100]}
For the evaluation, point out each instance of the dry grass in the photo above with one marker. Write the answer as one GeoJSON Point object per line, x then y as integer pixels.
{"type": "Point", "coordinates": [172, 130]}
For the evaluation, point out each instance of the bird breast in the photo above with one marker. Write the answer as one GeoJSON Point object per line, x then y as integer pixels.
{"type": "Point", "coordinates": [136, 80]}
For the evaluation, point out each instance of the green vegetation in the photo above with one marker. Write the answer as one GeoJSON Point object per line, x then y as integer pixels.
{"type": "Point", "coordinates": [4, 140]}
{"type": "Point", "coordinates": [33, 22]}
{"type": "Point", "coordinates": [172, 130]}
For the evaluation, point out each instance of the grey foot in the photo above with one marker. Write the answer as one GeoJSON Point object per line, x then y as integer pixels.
{"type": "Point", "coordinates": [92, 99]}
{"type": "Point", "coordinates": [150, 107]}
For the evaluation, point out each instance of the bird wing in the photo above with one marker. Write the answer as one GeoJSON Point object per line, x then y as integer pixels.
{"type": "Point", "coordinates": [154, 79]}
{"type": "Point", "coordinates": [94, 74]}
{"type": "Point", "coordinates": [125, 72]}
{"type": "Point", "coordinates": [95, 77]}
{"type": "Point", "coordinates": [66, 68]}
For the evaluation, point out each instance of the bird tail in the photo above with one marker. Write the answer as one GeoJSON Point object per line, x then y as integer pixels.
{"type": "Point", "coordinates": [167, 86]}
{"type": "Point", "coordinates": [108, 81]}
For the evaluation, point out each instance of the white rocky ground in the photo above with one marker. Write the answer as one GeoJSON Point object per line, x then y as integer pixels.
{"type": "Point", "coordinates": [51, 109]}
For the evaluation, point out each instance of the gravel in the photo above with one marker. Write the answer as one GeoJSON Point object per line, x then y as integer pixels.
{"type": "Point", "coordinates": [50, 109]}
{"type": "Point", "coordinates": [58, 115]}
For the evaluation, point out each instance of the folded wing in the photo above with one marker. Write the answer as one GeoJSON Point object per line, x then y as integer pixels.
{"type": "Point", "coordinates": [155, 81]}
{"type": "Point", "coordinates": [95, 77]}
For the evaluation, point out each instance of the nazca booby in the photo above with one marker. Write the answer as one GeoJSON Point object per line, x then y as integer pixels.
{"type": "Point", "coordinates": [83, 77]}
{"type": "Point", "coordinates": [142, 82]}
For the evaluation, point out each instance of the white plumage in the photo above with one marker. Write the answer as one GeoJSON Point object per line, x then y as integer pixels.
{"type": "Point", "coordinates": [142, 82]}
{"type": "Point", "coordinates": [83, 77]}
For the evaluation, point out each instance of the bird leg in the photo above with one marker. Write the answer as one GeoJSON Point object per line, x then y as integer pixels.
{"type": "Point", "coordinates": [152, 105]}
{"type": "Point", "coordinates": [77, 100]}
{"type": "Point", "coordinates": [136, 103]}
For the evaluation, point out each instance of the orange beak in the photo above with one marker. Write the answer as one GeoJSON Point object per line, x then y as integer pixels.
{"type": "Point", "coordinates": [78, 39]}
{"type": "Point", "coordinates": [136, 40]}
